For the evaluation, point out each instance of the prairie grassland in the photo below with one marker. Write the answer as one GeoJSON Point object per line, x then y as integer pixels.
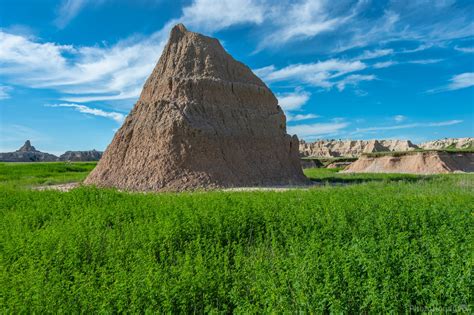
{"type": "Point", "coordinates": [386, 244]}
{"type": "Point", "coordinates": [27, 175]}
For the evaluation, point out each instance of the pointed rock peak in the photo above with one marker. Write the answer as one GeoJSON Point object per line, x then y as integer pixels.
{"type": "Point", "coordinates": [177, 32]}
{"type": "Point", "coordinates": [179, 28]}
{"type": "Point", "coordinates": [27, 147]}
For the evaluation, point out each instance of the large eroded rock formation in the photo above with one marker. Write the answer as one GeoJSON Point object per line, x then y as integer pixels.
{"type": "Point", "coordinates": [203, 120]}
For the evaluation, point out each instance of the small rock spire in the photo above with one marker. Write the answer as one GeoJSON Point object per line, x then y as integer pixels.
{"type": "Point", "coordinates": [27, 147]}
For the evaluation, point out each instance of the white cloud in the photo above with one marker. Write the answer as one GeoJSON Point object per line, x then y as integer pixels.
{"type": "Point", "coordinates": [373, 54]}
{"type": "Point", "coordinates": [211, 15]}
{"type": "Point", "coordinates": [465, 49]}
{"type": "Point", "coordinates": [4, 92]}
{"type": "Point", "coordinates": [68, 10]}
{"type": "Point", "coordinates": [18, 55]}
{"type": "Point", "coordinates": [457, 82]}
{"type": "Point", "coordinates": [293, 101]}
{"type": "Point", "coordinates": [84, 73]}
{"type": "Point", "coordinates": [297, 20]}
{"type": "Point", "coordinates": [390, 63]}
{"type": "Point", "coordinates": [399, 118]}
{"type": "Point", "coordinates": [461, 81]}
{"type": "Point", "coordinates": [360, 92]}
{"type": "Point", "coordinates": [310, 131]}
{"type": "Point", "coordinates": [317, 74]}
{"type": "Point", "coordinates": [425, 61]}
{"type": "Point", "coordinates": [385, 64]}
{"type": "Point", "coordinates": [118, 117]}
{"type": "Point", "coordinates": [117, 72]}
{"type": "Point", "coordinates": [417, 49]}
{"type": "Point", "coordinates": [354, 80]}
{"type": "Point", "coordinates": [300, 117]}
{"type": "Point", "coordinates": [407, 126]}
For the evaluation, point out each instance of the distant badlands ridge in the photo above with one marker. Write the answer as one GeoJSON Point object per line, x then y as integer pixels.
{"type": "Point", "coordinates": [28, 153]}
{"type": "Point", "coordinates": [319, 149]}
{"type": "Point", "coordinates": [355, 148]}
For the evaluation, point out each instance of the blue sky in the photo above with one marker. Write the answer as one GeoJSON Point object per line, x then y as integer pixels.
{"type": "Point", "coordinates": [71, 70]}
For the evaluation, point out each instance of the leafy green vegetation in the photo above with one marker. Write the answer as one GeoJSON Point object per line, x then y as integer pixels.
{"type": "Point", "coordinates": [387, 245]}
{"type": "Point", "coordinates": [32, 174]}
{"type": "Point", "coordinates": [331, 176]}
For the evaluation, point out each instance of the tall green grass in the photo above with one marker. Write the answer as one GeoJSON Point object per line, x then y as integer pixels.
{"type": "Point", "coordinates": [32, 174]}
{"type": "Point", "coordinates": [375, 247]}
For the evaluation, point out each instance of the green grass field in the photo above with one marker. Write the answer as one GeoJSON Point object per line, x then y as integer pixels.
{"type": "Point", "coordinates": [387, 243]}
{"type": "Point", "coordinates": [18, 175]}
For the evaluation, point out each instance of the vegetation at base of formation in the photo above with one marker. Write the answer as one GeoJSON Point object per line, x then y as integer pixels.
{"type": "Point", "coordinates": [390, 245]}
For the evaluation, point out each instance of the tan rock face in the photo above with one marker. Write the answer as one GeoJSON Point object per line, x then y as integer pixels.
{"type": "Point", "coordinates": [414, 163]}
{"type": "Point", "coordinates": [203, 120]}
{"type": "Point", "coordinates": [451, 143]}
{"type": "Point", "coordinates": [352, 148]}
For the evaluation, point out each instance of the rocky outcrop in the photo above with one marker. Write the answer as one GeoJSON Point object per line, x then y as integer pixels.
{"type": "Point", "coordinates": [352, 148]}
{"type": "Point", "coordinates": [27, 153]}
{"type": "Point", "coordinates": [203, 120]}
{"type": "Point", "coordinates": [311, 163]}
{"type": "Point", "coordinates": [431, 162]}
{"type": "Point", "coordinates": [77, 156]}
{"type": "Point", "coordinates": [449, 143]}
{"type": "Point", "coordinates": [338, 164]}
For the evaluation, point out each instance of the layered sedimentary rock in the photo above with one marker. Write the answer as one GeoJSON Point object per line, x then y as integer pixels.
{"type": "Point", "coordinates": [77, 156]}
{"type": "Point", "coordinates": [352, 148]}
{"type": "Point", "coordinates": [203, 120]}
{"type": "Point", "coordinates": [27, 153]}
{"type": "Point", "coordinates": [430, 162]}
{"type": "Point", "coordinates": [449, 143]}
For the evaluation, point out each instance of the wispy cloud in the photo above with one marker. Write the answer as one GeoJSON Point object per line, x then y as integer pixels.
{"type": "Point", "coordinates": [354, 80]}
{"type": "Point", "coordinates": [4, 92]}
{"type": "Point", "coordinates": [94, 73]}
{"type": "Point", "coordinates": [385, 64]}
{"type": "Point", "coordinates": [408, 126]}
{"type": "Point", "coordinates": [457, 82]}
{"type": "Point", "coordinates": [311, 131]}
{"type": "Point", "coordinates": [469, 50]}
{"type": "Point", "coordinates": [211, 15]}
{"type": "Point", "coordinates": [319, 74]}
{"type": "Point", "coordinates": [390, 63]}
{"type": "Point", "coordinates": [68, 10]}
{"type": "Point", "coordinates": [300, 117]}
{"type": "Point", "coordinates": [297, 20]}
{"type": "Point", "coordinates": [399, 118]}
{"type": "Point", "coordinates": [118, 117]}
{"type": "Point", "coordinates": [461, 81]}
{"type": "Point", "coordinates": [373, 54]}
{"type": "Point", "coordinates": [294, 100]}
{"type": "Point", "coordinates": [424, 61]}
{"type": "Point", "coordinates": [117, 72]}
